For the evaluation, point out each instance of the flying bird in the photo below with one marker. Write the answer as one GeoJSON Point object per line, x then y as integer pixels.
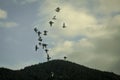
{"type": "Point", "coordinates": [51, 23]}
{"type": "Point", "coordinates": [65, 57]}
{"type": "Point", "coordinates": [54, 18]}
{"type": "Point", "coordinates": [36, 48]}
{"type": "Point", "coordinates": [44, 45]}
{"type": "Point", "coordinates": [48, 57]}
{"type": "Point", "coordinates": [35, 29]}
{"type": "Point", "coordinates": [46, 50]}
{"type": "Point", "coordinates": [39, 33]}
{"type": "Point", "coordinates": [45, 32]}
{"type": "Point", "coordinates": [57, 9]}
{"type": "Point", "coordinates": [40, 43]}
{"type": "Point", "coordinates": [64, 26]}
{"type": "Point", "coordinates": [40, 39]}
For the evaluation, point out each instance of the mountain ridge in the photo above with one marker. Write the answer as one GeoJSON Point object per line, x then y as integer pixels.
{"type": "Point", "coordinates": [62, 69]}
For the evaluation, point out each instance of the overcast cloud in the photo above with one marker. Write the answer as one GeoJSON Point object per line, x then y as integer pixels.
{"type": "Point", "coordinates": [91, 38]}
{"type": "Point", "coordinates": [99, 46]}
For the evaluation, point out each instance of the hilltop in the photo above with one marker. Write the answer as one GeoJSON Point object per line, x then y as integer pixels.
{"type": "Point", "coordinates": [63, 70]}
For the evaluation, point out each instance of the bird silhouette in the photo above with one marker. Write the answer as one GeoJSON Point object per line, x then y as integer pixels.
{"type": "Point", "coordinates": [45, 32]}
{"type": "Point", "coordinates": [48, 57]}
{"type": "Point", "coordinates": [46, 50]}
{"type": "Point", "coordinates": [64, 26]}
{"type": "Point", "coordinates": [40, 43]}
{"type": "Point", "coordinates": [57, 9]}
{"type": "Point", "coordinates": [40, 39]}
{"type": "Point", "coordinates": [36, 48]}
{"type": "Point", "coordinates": [65, 57]}
{"type": "Point", "coordinates": [35, 29]}
{"type": "Point", "coordinates": [54, 18]}
{"type": "Point", "coordinates": [51, 23]}
{"type": "Point", "coordinates": [44, 45]}
{"type": "Point", "coordinates": [39, 33]}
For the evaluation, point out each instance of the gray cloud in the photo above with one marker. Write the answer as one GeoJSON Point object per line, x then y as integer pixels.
{"type": "Point", "coordinates": [100, 46]}
{"type": "Point", "coordinates": [23, 2]}
{"type": "Point", "coordinates": [8, 24]}
{"type": "Point", "coordinates": [105, 54]}
{"type": "Point", "coordinates": [3, 14]}
{"type": "Point", "coordinates": [89, 39]}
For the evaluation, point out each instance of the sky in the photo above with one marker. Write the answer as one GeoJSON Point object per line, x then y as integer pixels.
{"type": "Point", "coordinates": [91, 37]}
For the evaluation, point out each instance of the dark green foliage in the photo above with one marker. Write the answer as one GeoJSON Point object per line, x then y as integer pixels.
{"type": "Point", "coordinates": [63, 70]}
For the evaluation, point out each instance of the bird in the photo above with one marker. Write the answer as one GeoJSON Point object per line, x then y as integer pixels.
{"type": "Point", "coordinates": [54, 18]}
{"type": "Point", "coordinates": [35, 29]}
{"type": "Point", "coordinates": [51, 23]}
{"type": "Point", "coordinates": [64, 26]}
{"type": "Point", "coordinates": [44, 45]}
{"type": "Point", "coordinates": [40, 43]}
{"type": "Point", "coordinates": [39, 33]}
{"type": "Point", "coordinates": [45, 32]}
{"type": "Point", "coordinates": [65, 57]}
{"type": "Point", "coordinates": [40, 39]}
{"type": "Point", "coordinates": [48, 57]}
{"type": "Point", "coordinates": [57, 9]}
{"type": "Point", "coordinates": [46, 50]}
{"type": "Point", "coordinates": [36, 48]}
